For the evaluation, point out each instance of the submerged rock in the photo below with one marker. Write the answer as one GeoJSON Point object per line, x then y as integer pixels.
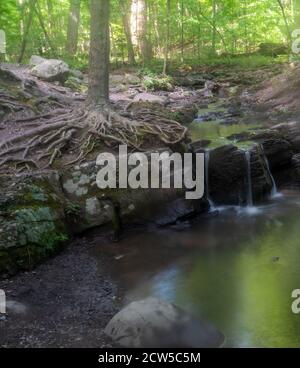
{"type": "Point", "coordinates": [154, 323]}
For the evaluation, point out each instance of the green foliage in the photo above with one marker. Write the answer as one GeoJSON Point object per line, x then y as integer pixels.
{"type": "Point", "coordinates": [246, 62]}
{"type": "Point", "coordinates": [196, 32]}
{"type": "Point", "coordinates": [154, 82]}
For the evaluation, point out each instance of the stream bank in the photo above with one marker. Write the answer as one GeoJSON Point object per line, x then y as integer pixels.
{"type": "Point", "coordinates": [40, 210]}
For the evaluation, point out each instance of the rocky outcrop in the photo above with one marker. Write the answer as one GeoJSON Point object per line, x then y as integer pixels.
{"type": "Point", "coordinates": [154, 323]}
{"type": "Point", "coordinates": [228, 175]}
{"type": "Point", "coordinates": [32, 220]}
{"type": "Point", "coordinates": [51, 70]}
{"type": "Point", "coordinates": [98, 206]}
{"type": "Point", "coordinates": [36, 60]}
{"type": "Point", "coordinates": [151, 98]}
{"type": "Point", "coordinates": [38, 212]}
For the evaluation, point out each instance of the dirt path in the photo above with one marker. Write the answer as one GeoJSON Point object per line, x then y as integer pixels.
{"type": "Point", "coordinates": [65, 302]}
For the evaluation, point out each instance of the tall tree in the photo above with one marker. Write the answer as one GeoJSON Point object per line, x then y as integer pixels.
{"type": "Point", "coordinates": [182, 29]}
{"type": "Point", "coordinates": [139, 24]}
{"type": "Point", "coordinates": [98, 92]}
{"type": "Point", "coordinates": [31, 7]}
{"type": "Point", "coordinates": [214, 26]}
{"type": "Point", "coordinates": [288, 31]}
{"type": "Point", "coordinates": [125, 7]}
{"type": "Point", "coordinates": [73, 27]}
{"type": "Point", "coordinates": [167, 45]}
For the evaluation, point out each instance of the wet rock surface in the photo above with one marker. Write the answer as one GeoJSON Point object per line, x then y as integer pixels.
{"type": "Point", "coordinates": [154, 323]}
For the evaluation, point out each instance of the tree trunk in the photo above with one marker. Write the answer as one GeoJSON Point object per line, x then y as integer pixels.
{"type": "Point", "coordinates": [288, 31]}
{"type": "Point", "coordinates": [214, 28]}
{"type": "Point", "coordinates": [73, 26]}
{"type": "Point", "coordinates": [98, 92]}
{"type": "Point", "coordinates": [126, 12]}
{"type": "Point", "coordinates": [139, 22]}
{"type": "Point", "coordinates": [26, 31]}
{"type": "Point", "coordinates": [167, 45]}
{"type": "Point", "coordinates": [182, 31]}
{"type": "Point", "coordinates": [42, 24]}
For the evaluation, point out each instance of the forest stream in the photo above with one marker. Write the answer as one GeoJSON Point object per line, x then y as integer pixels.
{"type": "Point", "coordinates": [235, 266]}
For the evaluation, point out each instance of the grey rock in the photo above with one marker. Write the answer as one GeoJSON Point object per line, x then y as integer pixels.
{"type": "Point", "coordinates": [154, 323]}
{"type": "Point", "coordinates": [36, 60]}
{"type": "Point", "coordinates": [51, 70]}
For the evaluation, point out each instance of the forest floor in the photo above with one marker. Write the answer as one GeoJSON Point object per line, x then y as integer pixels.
{"type": "Point", "coordinates": [28, 104]}
{"type": "Point", "coordinates": [67, 301]}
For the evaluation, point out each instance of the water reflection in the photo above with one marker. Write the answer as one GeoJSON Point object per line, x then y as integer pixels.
{"type": "Point", "coordinates": [236, 271]}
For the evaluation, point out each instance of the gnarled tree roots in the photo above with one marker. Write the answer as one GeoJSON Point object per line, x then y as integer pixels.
{"type": "Point", "coordinates": [79, 130]}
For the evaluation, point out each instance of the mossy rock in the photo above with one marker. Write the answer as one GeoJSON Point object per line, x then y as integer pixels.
{"type": "Point", "coordinates": [32, 221]}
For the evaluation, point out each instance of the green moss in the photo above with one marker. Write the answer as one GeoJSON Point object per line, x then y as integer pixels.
{"type": "Point", "coordinates": [33, 224]}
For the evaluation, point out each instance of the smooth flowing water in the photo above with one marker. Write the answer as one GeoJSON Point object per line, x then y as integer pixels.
{"type": "Point", "coordinates": [236, 270]}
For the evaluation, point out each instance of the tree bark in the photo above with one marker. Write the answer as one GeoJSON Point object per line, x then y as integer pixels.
{"type": "Point", "coordinates": [73, 27]}
{"type": "Point", "coordinates": [126, 12]}
{"type": "Point", "coordinates": [139, 23]}
{"type": "Point", "coordinates": [42, 24]}
{"type": "Point", "coordinates": [167, 45]}
{"type": "Point", "coordinates": [182, 31]}
{"type": "Point", "coordinates": [98, 92]}
{"type": "Point", "coordinates": [214, 28]}
{"type": "Point", "coordinates": [26, 31]}
{"type": "Point", "coordinates": [288, 31]}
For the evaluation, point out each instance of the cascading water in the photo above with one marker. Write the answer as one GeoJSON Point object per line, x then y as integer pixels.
{"type": "Point", "coordinates": [210, 201]}
{"type": "Point", "coordinates": [274, 191]}
{"type": "Point", "coordinates": [249, 180]}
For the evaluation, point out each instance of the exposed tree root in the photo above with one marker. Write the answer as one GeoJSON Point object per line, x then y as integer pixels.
{"type": "Point", "coordinates": [80, 130]}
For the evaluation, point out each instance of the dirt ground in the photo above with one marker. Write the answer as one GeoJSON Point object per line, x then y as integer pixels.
{"type": "Point", "coordinates": [66, 302]}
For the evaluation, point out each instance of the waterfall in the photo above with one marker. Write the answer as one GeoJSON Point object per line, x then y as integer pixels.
{"type": "Point", "coordinates": [274, 192]}
{"type": "Point", "coordinates": [249, 180]}
{"type": "Point", "coordinates": [211, 203]}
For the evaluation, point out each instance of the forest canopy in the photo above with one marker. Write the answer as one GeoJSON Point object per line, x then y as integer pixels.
{"type": "Point", "coordinates": [139, 29]}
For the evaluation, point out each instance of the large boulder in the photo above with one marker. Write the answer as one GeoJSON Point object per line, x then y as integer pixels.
{"type": "Point", "coordinates": [229, 176]}
{"type": "Point", "coordinates": [32, 220]}
{"type": "Point", "coordinates": [36, 60]}
{"type": "Point", "coordinates": [151, 98]}
{"type": "Point", "coordinates": [51, 70]}
{"type": "Point", "coordinates": [154, 323]}
{"type": "Point", "coordinates": [116, 80]}
{"type": "Point", "coordinates": [97, 206]}
{"type": "Point", "coordinates": [273, 49]}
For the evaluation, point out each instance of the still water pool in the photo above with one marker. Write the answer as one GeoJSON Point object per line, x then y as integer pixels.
{"type": "Point", "coordinates": [237, 269]}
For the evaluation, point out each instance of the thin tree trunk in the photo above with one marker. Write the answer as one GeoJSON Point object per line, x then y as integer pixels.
{"type": "Point", "coordinates": [167, 45]}
{"type": "Point", "coordinates": [288, 31]}
{"type": "Point", "coordinates": [126, 10]}
{"type": "Point", "coordinates": [139, 22]}
{"type": "Point", "coordinates": [73, 27]}
{"type": "Point", "coordinates": [98, 92]}
{"type": "Point", "coordinates": [214, 28]}
{"type": "Point", "coordinates": [182, 32]}
{"type": "Point", "coordinates": [42, 24]}
{"type": "Point", "coordinates": [26, 31]}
